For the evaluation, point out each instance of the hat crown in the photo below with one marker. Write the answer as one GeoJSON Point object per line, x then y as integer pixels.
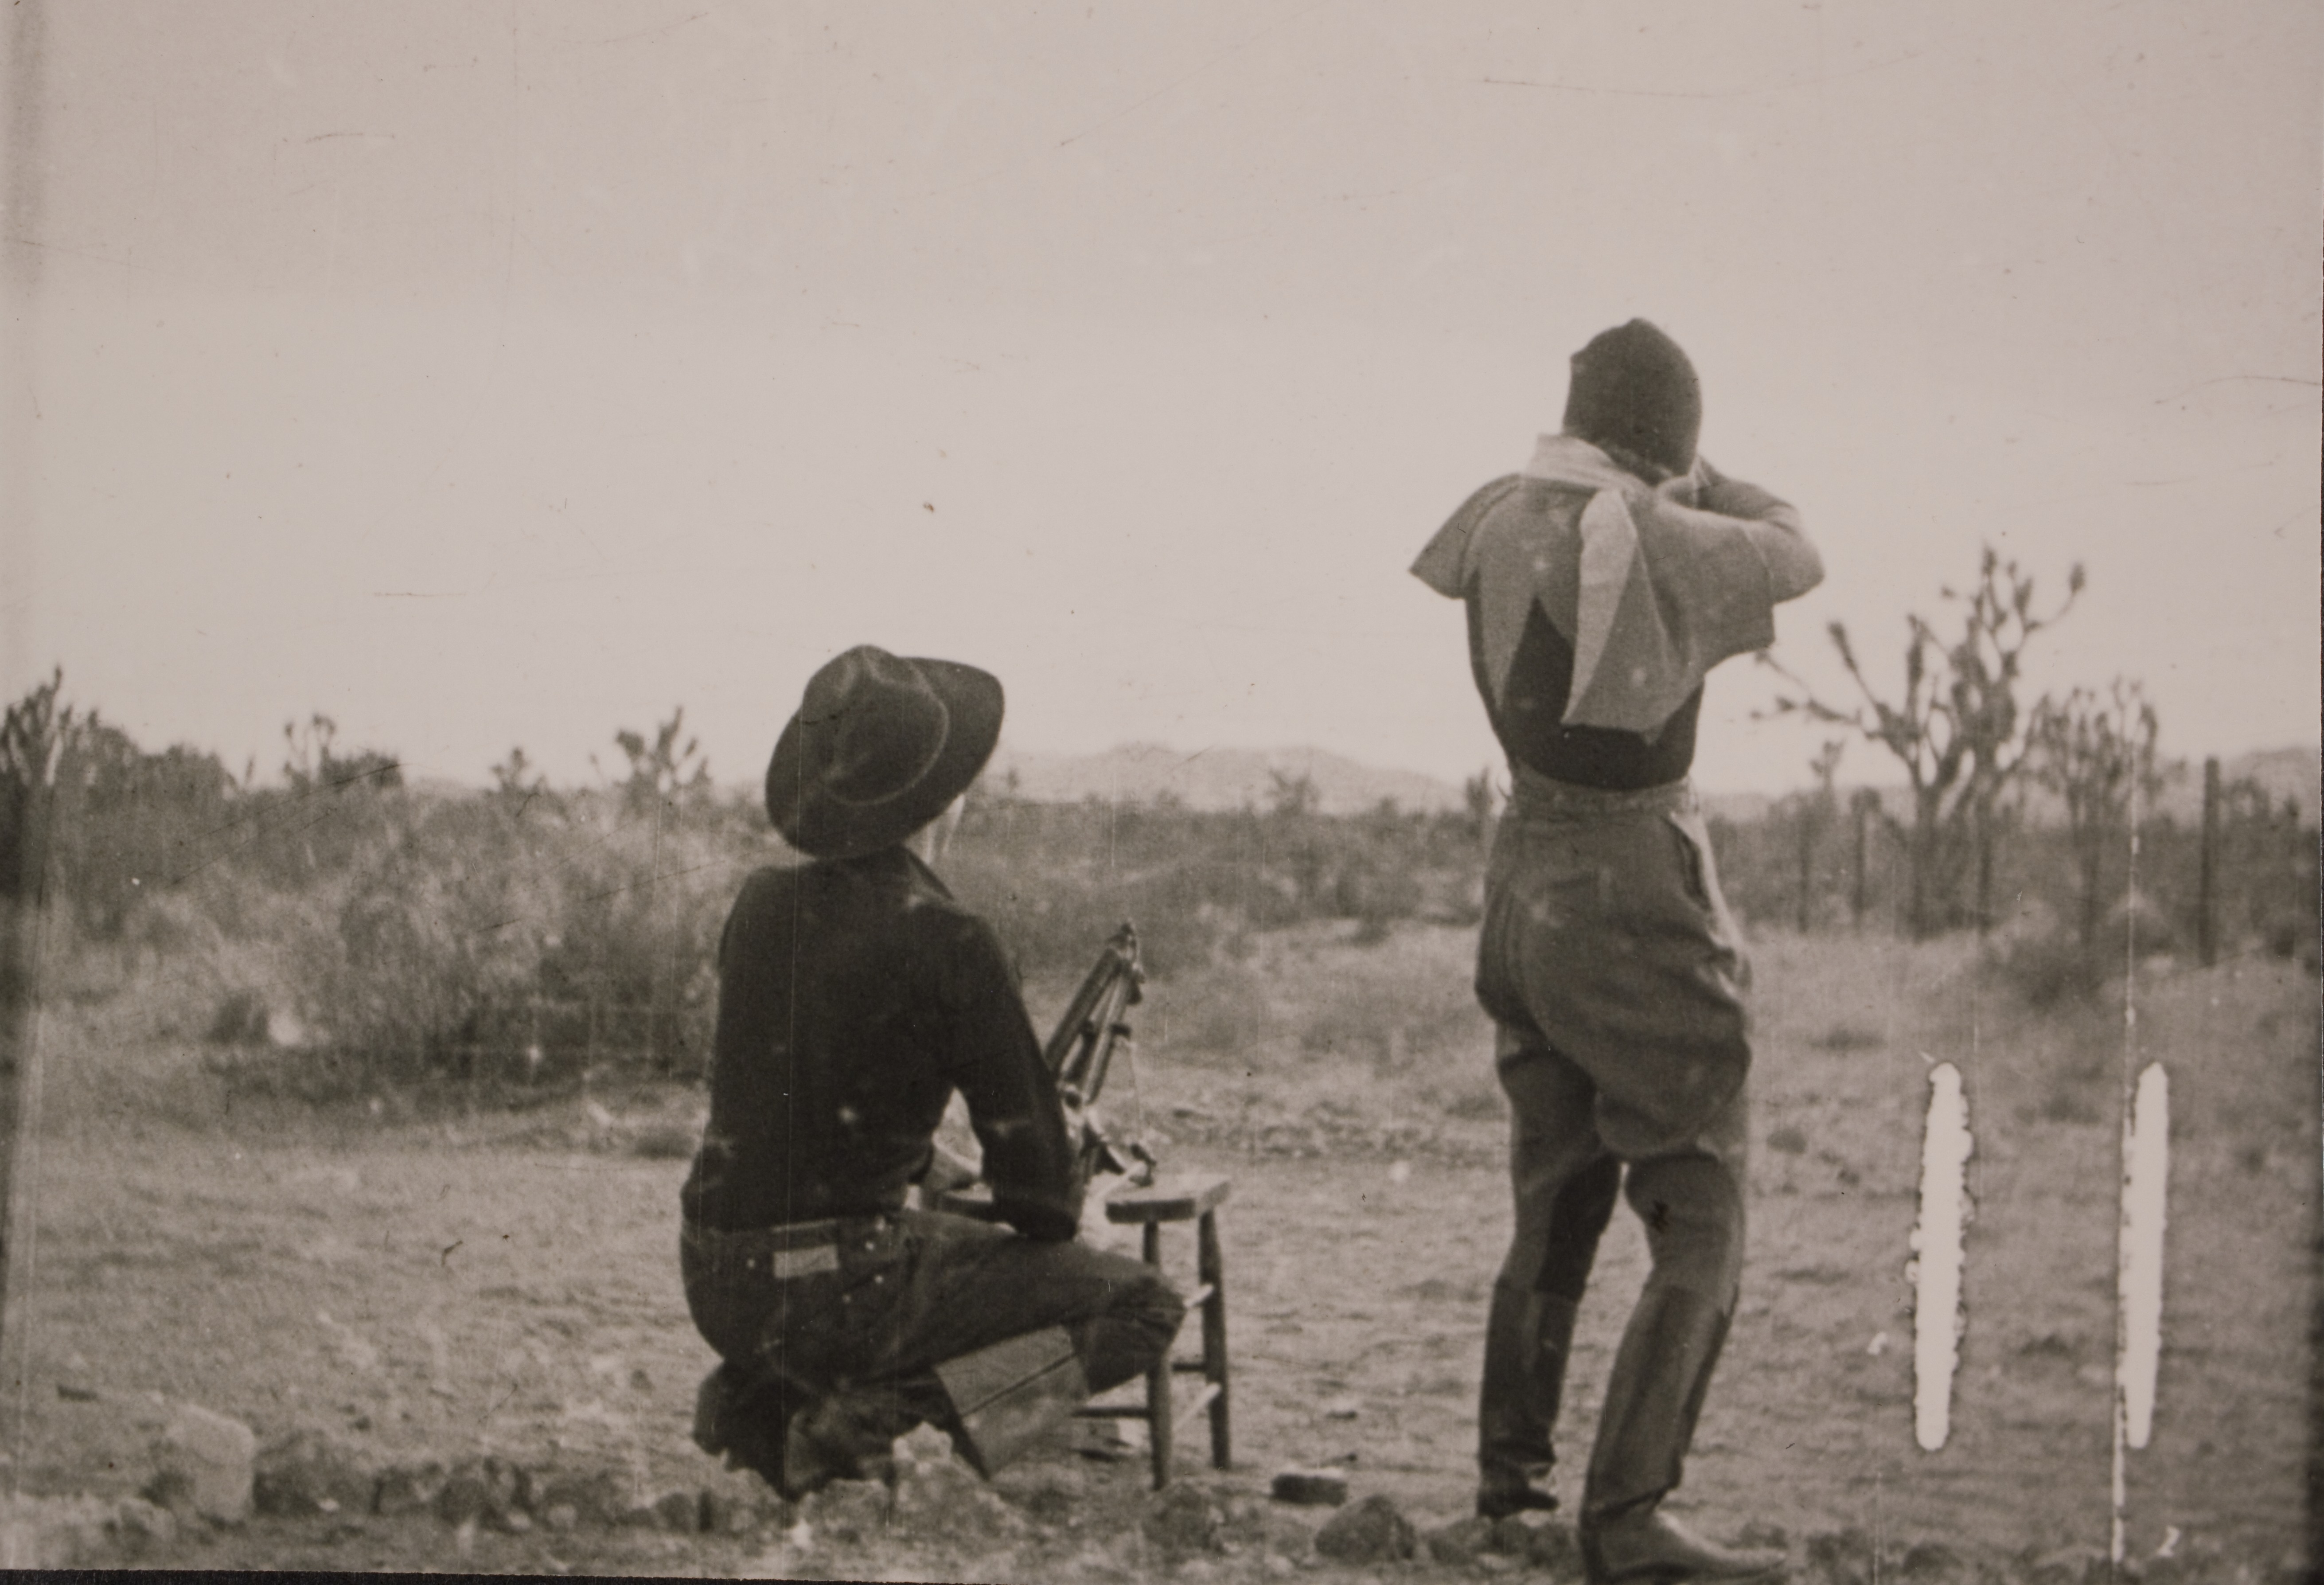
{"type": "Point", "coordinates": [870, 726]}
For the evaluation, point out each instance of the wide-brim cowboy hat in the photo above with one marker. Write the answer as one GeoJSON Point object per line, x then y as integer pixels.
{"type": "Point", "coordinates": [880, 745]}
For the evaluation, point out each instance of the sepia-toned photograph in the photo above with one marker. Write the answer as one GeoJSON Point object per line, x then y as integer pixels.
{"type": "Point", "coordinates": [1215, 792]}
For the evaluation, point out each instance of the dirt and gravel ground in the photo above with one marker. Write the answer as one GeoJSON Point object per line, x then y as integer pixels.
{"type": "Point", "coordinates": [504, 1284]}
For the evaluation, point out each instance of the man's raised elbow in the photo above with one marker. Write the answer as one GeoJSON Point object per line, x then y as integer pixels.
{"type": "Point", "coordinates": [1795, 569]}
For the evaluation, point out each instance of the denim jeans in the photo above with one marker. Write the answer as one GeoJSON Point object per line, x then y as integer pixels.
{"type": "Point", "coordinates": [906, 1291]}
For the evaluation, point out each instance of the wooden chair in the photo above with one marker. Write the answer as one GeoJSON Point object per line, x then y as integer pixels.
{"type": "Point", "coordinates": [1194, 1198]}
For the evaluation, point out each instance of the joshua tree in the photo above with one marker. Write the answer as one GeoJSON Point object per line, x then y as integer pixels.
{"type": "Point", "coordinates": [2093, 750]}
{"type": "Point", "coordinates": [1956, 731]}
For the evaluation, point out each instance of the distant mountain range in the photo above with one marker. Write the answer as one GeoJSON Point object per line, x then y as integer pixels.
{"type": "Point", "coordinates": [1212, 778]}
{"type": "Point", "coordinates": [1231, 778]}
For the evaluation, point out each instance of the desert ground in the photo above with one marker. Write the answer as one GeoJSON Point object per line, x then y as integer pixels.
{"type": "Point", "coordinates": [418, 1283]}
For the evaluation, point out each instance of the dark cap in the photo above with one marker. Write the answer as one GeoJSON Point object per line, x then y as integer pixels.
{"type": "Point", "coordinates": [1635, 392]}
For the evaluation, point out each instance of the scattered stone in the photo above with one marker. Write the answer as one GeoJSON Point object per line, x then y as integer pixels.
{"type": "Point", "coordinates": [137, 1523]}
{"type": "Point", "coordinates": [74, 1394]}
{"type": "Point", "coordinates": [1460, 1541]}
{"type": "Point", "coordinates": [169, 1488]}
{"type": "Point", "coordinates": [846, 1510]}
{"type": "Point", "coordinates": [679, 1510]}
{"type": "Point", "coordinates": [1054, 1492]}
{"type": "Point", "coordinates": [1840, 1557]}
{"type": "Point", "coordinates": [213, 1455]}
{"type": "Point", "coordinates": [406, 1488]}
{"type": "Point", "coordinates": [1557, 1549]}
{"type": "Point", "coordinates": [1371, 1532]}
{"type": "Point", "coordinates": [488, 1488]}
{"type": "Point", "coordinates": [516, 1524]}
{"type": "Point", "coordinates": [1310, 1487]}
{"type": "Point", "coordinates": [1929, 1559]}
{"type": "Point", "coordinates": [596, 1497]}
{"type": "Point", "coordinates": [1183, 1519]}
{"type": "Point", "coordinates": [306, 1472]}
{"type": "Point", "coordinates": [1342, 1409]}
{"type": "Point", "coordinates": [1512, 1536]}
{"type": "Point", "coordinates": [938, 1495]}
{"type": "Point", "coordinates": [729, 1513]}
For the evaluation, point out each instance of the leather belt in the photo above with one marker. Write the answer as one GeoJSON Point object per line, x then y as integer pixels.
{"type": "Point", "coordinates": [788, 1249]}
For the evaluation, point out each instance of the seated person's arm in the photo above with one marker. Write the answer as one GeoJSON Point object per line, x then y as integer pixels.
{"type": "Point", "coordinates": [1772, 523]}
{"type": "Point", "coordinates": [1029, 1158]}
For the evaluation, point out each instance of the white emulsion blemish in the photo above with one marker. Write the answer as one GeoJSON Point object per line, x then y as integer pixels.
{"type": "Point", "coordinates": [2146, 1192]}
{"type": "Point", "coordinates": [1937, 1248]}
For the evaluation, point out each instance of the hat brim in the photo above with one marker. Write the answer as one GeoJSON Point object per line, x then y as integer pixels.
{"type": "Point", "coordinates": [821, 826]}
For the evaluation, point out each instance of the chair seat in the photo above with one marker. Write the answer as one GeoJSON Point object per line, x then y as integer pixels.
{"type": "Point", "coordinates": [1172, 1199]}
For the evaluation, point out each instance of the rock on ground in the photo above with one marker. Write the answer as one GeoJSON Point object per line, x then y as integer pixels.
{"type": "Point", "coordinates": [1310, 1487]}
{"type": "Point", "coordinates": [938, 1495]}
{"type": "Point", "coordinates": [308, 1472]}
{"type": "Point", "coordinates": [1371, 1532]}
{"type": "Point", "coordinates": [408, 1489]}
{"type": "Point", "coordinates": [1460, 1541]}
{"type": "Point", "coordinates": [206, 1461]}
{"type": "Point", "coordinates": [487, 1489]}
{"type": "Point", "coordinates": [1183, 1519]}
{"type": "Point", "coordinates": [595, 1496]}
{"type": "Point", "coordinates": [848, 1510]}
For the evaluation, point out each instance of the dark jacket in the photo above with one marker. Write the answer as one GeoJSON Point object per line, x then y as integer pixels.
{"type": "Point", "coordinates": [855, 997]}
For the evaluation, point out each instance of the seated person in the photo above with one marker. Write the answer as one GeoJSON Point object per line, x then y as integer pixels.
{"type": "Point", "coordinates": [855, 996]}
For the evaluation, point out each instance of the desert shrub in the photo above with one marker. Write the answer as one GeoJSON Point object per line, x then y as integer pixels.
{"type": "Point", "coordinates": [1055, 879]}
{"type": "Point", "coordinates": [628, 964]}
{"type": "Point", "coordinates": [128, 823]}
{"type": "Point", "coordinates": [437, 945]}
{"type": "Point", "coordinates": [2047, 968]}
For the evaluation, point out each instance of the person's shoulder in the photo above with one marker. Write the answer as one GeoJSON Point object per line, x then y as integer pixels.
{"type": "Point", "coordinates": [1523, 496]}
{"type": "Point", "coordinates": [1489, 494]}
{"type": "Point", "coordinates": [941, 919]}
{"type": "Point", "coordinates": [769, 886]}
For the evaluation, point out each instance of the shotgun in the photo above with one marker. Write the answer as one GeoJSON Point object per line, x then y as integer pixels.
{"type": "Point", "coordinates": [1081, 1053]}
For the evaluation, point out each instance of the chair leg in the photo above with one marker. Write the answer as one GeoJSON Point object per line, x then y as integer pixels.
{"type": "Point", "coordinates": [1157, 1380]}
{"type": "Point", "coordinates": [1211, 1270]}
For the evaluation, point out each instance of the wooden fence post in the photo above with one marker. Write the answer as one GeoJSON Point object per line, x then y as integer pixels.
{"type": "Point", "coordinates": [1861, 807]}
{"type": "Point", "coordinates": [2207, 941]}
{"type": "Point", "coordinates": [1807, 834]}
{"type": "Point", "coordinates": [28, 754]}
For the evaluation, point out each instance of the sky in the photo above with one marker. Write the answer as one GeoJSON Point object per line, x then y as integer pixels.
{"type": "Point", "coordinates": [497, 374]}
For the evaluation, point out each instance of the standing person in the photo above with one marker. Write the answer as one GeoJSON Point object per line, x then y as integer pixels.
{"type": "Point", "coordinates": [1601, 583]}
{"type": "Point", "coordinates": [855, 995]}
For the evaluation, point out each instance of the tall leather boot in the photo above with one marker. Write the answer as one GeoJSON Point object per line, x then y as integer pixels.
{"type": "Point", "coordinates": [1661, 1375]}
{"type": "Point", "coordinates": [849, 1434]}
{"type": "Point", "coordinates": [1007, 1396]}
{"type": "Point", "coordinates": [1528, 1337]}
{"type": "Point", "coordinates": [745, 1416]}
